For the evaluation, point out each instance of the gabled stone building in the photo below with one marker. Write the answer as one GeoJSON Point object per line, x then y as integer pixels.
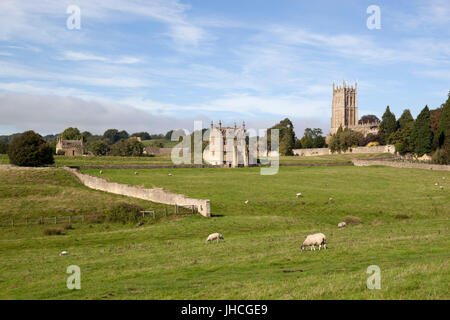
{"type": "Point", "coordinates": [70, 147]}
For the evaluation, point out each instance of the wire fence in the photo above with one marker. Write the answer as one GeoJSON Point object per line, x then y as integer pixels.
{"type": "Point", "coordinates": [90, 218]}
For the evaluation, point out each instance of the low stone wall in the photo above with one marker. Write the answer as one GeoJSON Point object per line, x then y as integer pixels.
{"type": "Point", "coordinates": [400, 164]}
{"type": "Point", "coordinates": [325, 151]}
{"type": "Point", "coordinates": [311, 152]}
{"type": "Point", "coordinates": [156, 194]}
{"type": "Point", "coordinates": [151, 150]}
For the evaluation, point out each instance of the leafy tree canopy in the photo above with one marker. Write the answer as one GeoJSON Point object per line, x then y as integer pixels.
{"type": "Point", "coordinates": [30, 150]}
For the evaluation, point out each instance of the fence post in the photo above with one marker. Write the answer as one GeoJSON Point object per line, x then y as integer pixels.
{"type": "Point", "coordinates": [55, 219]}
{"type": "Point", "coordinates": [176, 209]}
{"type": "Point", "coordinates": [153, 214]}
{"type": "Point", "coordinates": [12, 222]}
{"type": "Point", "coordinates": [42, 221]}
{"type": "Point", "coordinates": [192, 209]}
{"type": "Point", "coordinates": [165, 211]}
{"type": "Point", "coordinates": [70, 219]}
{"type": "Point", "coordinates": [26, 220]}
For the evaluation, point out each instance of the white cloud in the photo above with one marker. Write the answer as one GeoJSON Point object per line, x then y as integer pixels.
{"type": "Point", "coordinates": [84, 56]}
{"type": "Point", "coordinates": [40, 21]}
{"type": "Point", "coordinates": [51, 114]}
{"type": "Point", "coordinates": [80, 56]}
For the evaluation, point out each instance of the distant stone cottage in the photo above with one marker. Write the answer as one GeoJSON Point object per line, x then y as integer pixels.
{"type": "Point", "coordinates": [70, 147]}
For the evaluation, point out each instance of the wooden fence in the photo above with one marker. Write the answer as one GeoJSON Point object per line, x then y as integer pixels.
{"type": "Point", "coordinates": [147, 214]}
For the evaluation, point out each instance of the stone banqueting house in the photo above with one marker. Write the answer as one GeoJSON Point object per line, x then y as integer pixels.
{"type": "Point", "coordinates": [227, 146]}
{"type": "Point", "coordinates": [70, 147]}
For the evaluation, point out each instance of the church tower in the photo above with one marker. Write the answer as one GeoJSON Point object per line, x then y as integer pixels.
{"type": "Point", "coordinates": [344, 108]}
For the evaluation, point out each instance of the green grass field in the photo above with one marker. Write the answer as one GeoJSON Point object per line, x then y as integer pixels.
{"type": "Point", "coordinates": [404, 230]}
{"type": "Point", "coordinates": [165, 159]}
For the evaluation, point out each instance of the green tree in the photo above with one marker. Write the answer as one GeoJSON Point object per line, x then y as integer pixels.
{"type": "Point", "coordinates": [71, 134]}
{"type": "Point", "coordinates": [349, 138]}
{"type": "Point", "coordinates": [345, 139]}
{"type": "Point", "coordinates": [312, 138]}
{"type": "Point", "coordinates": [142, 135]}
{"type": "Point", "coordinates": [286, 136]}
{"type": "Point", "coordinates": [123, 135]}
{"type": "Point", "coordinates": [402, 137]}
{"type": "Point", "coordinates": [422, 135]}
{"type": "Point", "coordinates": [442, 139]}
{"type": "Point", "coordinates": [442, 132]}
{"type": "Point", "coordinates": [31, 150]}
{"type": "Point", "coordinates": [3, 147]}
{"type": "Point", "coordinates": [369, 118]}
{"type": "Point", "coordinates": [111, 135]}
{"type": "Point", "coordinates": [405, 120]}
{"type": "Point", "coordinates": [126, 148]}
{"type": "Point", "coordinates": [388, 125]}
{"type": "Point", "coordinates": [98, 147]}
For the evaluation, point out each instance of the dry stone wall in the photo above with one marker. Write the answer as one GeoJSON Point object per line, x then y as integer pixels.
{"type": "Point", "coordinates": [325, 151]}
{"type": "Point", "coordinates": [156, 194]}
{"type": "Point", "coordinates": [400, 164]}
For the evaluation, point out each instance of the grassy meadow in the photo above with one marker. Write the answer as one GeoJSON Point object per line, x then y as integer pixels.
{"type": "Point", "coordinates": [164, 159]}
{"type": "Point", "coordinates": [404, 230]}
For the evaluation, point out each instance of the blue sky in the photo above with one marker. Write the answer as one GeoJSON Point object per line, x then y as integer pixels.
{"type": "Point", "coordinates": [156, 65]}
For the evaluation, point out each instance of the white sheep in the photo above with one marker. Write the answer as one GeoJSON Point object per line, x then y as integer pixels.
{"type": "Point", "coordinates": [436, 184]}
{"type": "Point", "coordinates": [214, 236]}
{"type": "Point", "coordinates": [317, 239]}
{"type": "Point", "coordinates": [246, 201]}
{"type": "Point", "coordinates": [101, 171]}
{"type": "Point", "coordinates": [342, 225]}
{"type": "Point", "coordinates": [169, 174]}
{"type": "Point", "coordinates": [64, 253]}
{"type": "Point", "coordinates": [299, 195]}
{"type": "Point", "coordinates": [331, 200]}
{"type": "Point", "coordinates": [441, 187]}
{"type": "Point", "coordinates": [136, 173]}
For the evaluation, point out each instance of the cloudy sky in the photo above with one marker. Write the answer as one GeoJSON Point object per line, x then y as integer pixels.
{"type": "Point", "coordinates": [155, 65]}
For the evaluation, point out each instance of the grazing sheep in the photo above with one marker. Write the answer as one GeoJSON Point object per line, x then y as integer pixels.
{"type": "Point", "coordinates": [214, 236]}
{"type": "Point", "coordinates": [169, 174]}
{"type": "Point", "coordinates": [317, 239]}
{"type": "Point", "coordinates": [436, 184]}
{"type": "Point", "coordinates": [342, 225]}
{"type": "Point", "coordinates": [441, 187]}
{"type": "Point", "coordinates": [331, 200]}
{"type": "Point", "coordinates": [299, 195]}
{"type": "Point", "coordinates": [443, 178]}
{"type": "Point", "coordinates": [140, 223]}
{"type": "Point", "coordinates": [101, 171]}
{"type": "Point", "coordinates": [246, 201]}
{"type": "Point", "coordinates": [64, 253]}
{"type": "Point", "coordinates": [136, 173]}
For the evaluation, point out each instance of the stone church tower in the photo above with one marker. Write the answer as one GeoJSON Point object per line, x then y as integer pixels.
{"type": "Point", "coordinates": [344, 108]}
